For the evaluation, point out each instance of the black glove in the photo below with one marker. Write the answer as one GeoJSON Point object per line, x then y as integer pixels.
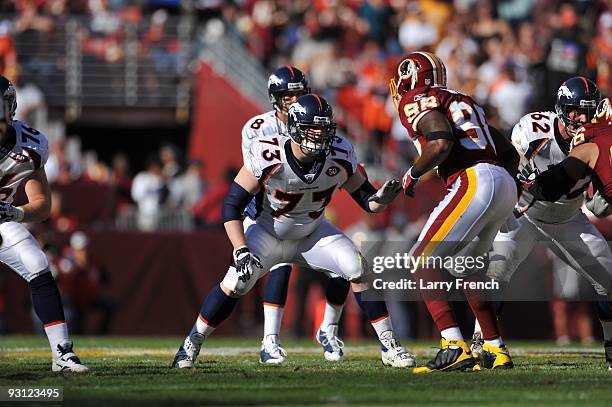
{"type": "Point", "coordinates": [245, 261]}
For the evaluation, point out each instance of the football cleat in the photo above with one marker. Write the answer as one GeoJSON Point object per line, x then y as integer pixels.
{"type": "Point", "coordinates": [476, 345]}
{"type": "Point", "coordinates": [453, 355]}
{"type": "Point", "coordinates": [392, 352]}
{"type": "Point", "coordinates": [332, 345]}
{"type": "Point", "coordinates": [67, 361]}
{"type": "Point", "coordinates": [608, 351]}
{"type": "Point", "coordinates": [271, 351]}
{"type": "Point", "coordinates": [188, 351]}
{"type": "Point", "coordinates": [493, 357]}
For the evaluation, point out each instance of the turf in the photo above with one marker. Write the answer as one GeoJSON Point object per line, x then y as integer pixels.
{"type": "Point", "coordinates": [135, 371]}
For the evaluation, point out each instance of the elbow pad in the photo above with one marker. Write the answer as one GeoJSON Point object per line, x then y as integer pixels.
{"type": "Point", "coordinates": [552, 184]}
{"type": "Point", "coordinates": [235, 202]}
{"type": "Point", "coordinates": [362, 194]}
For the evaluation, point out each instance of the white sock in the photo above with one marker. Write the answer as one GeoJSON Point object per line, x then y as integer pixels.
{"type": "Point", "coordinates": [203, 326]}
{"type": "Point", "coordinates": [273, 317]}
{"type": "Point", "coordinates": [57, 333]}
{"type": "Point", "coordinates": [477, 327]}
{"type": "Point", "coordinates": [382, 325]}
{"type": "Point", "coordinates": [452, 334]}
{"type": "Point", "coordinates": [495, 342]}
{"type": "Point", "coordinates": [607, 329]}
{"type": "Point", "coordinates": [332, 315]}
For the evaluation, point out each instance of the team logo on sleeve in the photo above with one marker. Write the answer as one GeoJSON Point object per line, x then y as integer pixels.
{"type": "Point", "coordinates": [332, 171]}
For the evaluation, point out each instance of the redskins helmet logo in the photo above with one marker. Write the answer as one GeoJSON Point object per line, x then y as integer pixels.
{"type": "Point", "coordinates": [603, 112]}
{"type": "Point", "coordinates": [332, 171]}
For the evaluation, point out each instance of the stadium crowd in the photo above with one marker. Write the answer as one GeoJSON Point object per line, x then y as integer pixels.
{"type": "Point", "coordinates": [511, 55]}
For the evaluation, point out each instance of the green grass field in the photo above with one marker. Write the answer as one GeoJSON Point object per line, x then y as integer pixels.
{"type": "Point", "coordinates": [136, 371]}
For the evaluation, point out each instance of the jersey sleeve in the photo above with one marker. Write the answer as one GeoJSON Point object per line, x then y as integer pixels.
{"type": "Point", "coordinates": [520, 137]}
{"type": "Point", "coordinates": [35, 143]}
{"type": "Point", "coordinates": [252, 159]}
{"type": "Point", "coordinates": [343, 153]}
{"type": "Point", "coordinates": [414, 107]}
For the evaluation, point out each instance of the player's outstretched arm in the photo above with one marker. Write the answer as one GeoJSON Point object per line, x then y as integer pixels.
{"type": "Point", "coordinates": [38, 192]}
{"type": "Point", "coordinates": [559, 179]}
{"type": "Point", "coordinates": [242, 190]}
{"type": "Point", "coordinates": [438, 132]}
{"type": "Point", "coordinates": [366, 195]}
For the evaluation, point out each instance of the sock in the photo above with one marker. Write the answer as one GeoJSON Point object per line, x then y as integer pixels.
{"type": "Point", "coordinates": [332, 315]}
{"type": "Point", "coordinates": [216, 308]}
{"type": "Point", "coordinates": [495, 342]}
{"type": "Point", "coordinates": [483, 310]}
{"type": "Point", "coordinates": [48, 307]}
{"type": "Point", "coordinates": [452, 334]}
{"type": "Point", "coordinates": [277, 286]}
{"type": "Point", "coordinates": [335, 294]}
{"type": "Point", "coordinates": [377, 313]}
{"type": "Point", "coordinates": [438, 306]}
{"type": "Point", "coordinates": [273, 317]}
{"type": "Point", "coordinates": [337, 290]}
{"type": "Point", "coordinates": [274, 299]}
{"type": "Point", "coordinates": [604, 312]}
{"type": "Point", "coordinates": [382, 325]}
{"type": "Point", "coordinates": [477, 327]}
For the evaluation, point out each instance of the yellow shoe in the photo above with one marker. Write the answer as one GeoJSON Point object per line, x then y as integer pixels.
{"type": "Point", "coordinates": [493, 357]}
{"type": "Point", "coordinates": [453, 355]}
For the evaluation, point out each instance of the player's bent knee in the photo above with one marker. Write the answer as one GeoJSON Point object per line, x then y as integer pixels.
{"type": "Point", "coordinates": [355, 268]}
{"type": "Point", "coordinates": [35, 263]}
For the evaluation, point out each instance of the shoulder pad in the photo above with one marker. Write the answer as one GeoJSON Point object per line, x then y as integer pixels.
{"type": "Point", "coordinates": [342, 150]}
{"type": "Point", "coordinates": [533, 128]}
{"type": "Point", "coordinates": [262, 153]}
{"type": "Point", "coordinates": [33, 141]}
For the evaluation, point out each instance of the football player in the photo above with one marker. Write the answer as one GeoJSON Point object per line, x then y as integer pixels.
{"type": "Point", "coordinates": [23, 153]}
{"type": "Point", "coordinates": [285, 85]}
{"type": "Point", "coordinates": [590, 158]}
{"type": "Point", "coordinates": [451, 133]}
{"type": "Point", "coordinates": [293, 177]}
{"type": "Point", "coordinates": [543, 139]}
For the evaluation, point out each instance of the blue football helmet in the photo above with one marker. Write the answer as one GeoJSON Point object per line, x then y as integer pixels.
{"type": "Point", "coordinates": [286, 79]}
{"type": "Point", "coordinates": [311, 125]}
{"type": "Point", "coordinates": [576, 94]}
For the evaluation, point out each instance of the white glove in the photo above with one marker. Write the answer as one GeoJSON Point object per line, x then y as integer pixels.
{"type": "Point", "coordinates": [597, 205]}
{"type": "Point", "coordinates": [10, 213]}
{"type": "Point", "coordinates": [245, 261]}
{"type": "Point", "coordinates": [387, 193]}
{"type": "Point", "coordinates": [409, 182]}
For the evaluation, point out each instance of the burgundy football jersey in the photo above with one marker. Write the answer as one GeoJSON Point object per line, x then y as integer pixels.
{"type": "Point", "coordinates": [599, 134]}
{"type": "Point", "coordinates": [473, 143]}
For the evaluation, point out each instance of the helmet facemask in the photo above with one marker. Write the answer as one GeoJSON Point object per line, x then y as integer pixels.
{"type": "Point", "coordinates": [570, 115]}
{"type": "Point", "coordinates": [407, 74]}
{"type": "Point", "coordinates": [314, 139]}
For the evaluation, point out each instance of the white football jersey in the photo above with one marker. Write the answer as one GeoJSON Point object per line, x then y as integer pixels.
{"type": "Point", "coordinates": [291, 203]}
{"type": "Point", "coordinates": [28, 153]}
{"type": "Point", "coordinates": [262, 125]}
{"type": "Point", "coordinates": [537, 141]}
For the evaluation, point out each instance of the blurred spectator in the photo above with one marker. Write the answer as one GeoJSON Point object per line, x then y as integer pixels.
{"type": "Point", "coordinates": [82, 284]}
{"type": "Point", "coordinates": [121, 178]}
{"type": "Point", "coordinates": [60, 221]}
{"type": "Point", "coordinates": [567, 50]}
{"type": "Point", "coordinates": [169, 159]}
{"type": "Point", "coordinates": [187, 188]}
{"type": "Point", "coordinates": [149, 191]}
{"type": "Point", "coordinates": [8, 54]}
{"type": "Point", "coordinates": [31, 107]}
{"type": "Point", "coordinates": [415, 32]}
